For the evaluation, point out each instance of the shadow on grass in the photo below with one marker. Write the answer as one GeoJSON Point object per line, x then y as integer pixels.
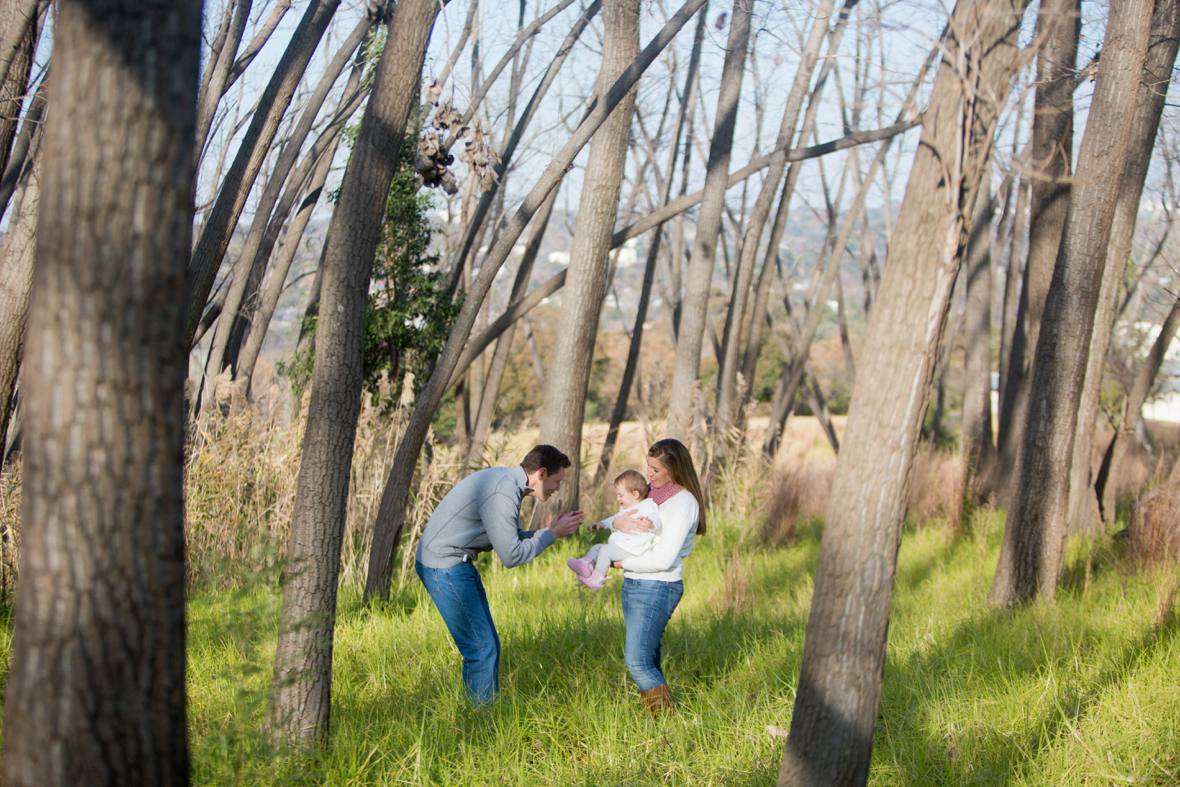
{"type": "Point", "coordinates": [940, 674]}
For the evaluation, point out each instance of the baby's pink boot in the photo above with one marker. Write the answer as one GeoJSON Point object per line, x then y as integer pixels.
{"type": "Point", "coordinates": [580, 566]}
{"type": "Point", "coordinates": [593, 581]}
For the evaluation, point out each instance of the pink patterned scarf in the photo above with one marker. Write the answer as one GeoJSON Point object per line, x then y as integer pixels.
{"type": "Point", "coordinates": [661, 494]}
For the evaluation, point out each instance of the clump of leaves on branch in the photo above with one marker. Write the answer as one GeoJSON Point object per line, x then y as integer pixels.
{"type": "Point", "coordinates": [410, 312]}
{"type": "Point", "coordinates": [433, 157]}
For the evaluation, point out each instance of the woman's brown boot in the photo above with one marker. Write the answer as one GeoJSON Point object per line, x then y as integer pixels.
{"type": "Point", "coordinates": [658, 700]}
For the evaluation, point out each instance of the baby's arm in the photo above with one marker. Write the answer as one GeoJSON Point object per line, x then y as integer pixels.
{"type": "Point", "coordinates": [606, 524]}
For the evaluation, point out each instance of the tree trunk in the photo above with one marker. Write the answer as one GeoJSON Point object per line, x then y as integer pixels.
{"type": "Point", "coordinates": [976, 432]}
{"type": "Point", "coordinates": [1058, 26]}
{"type": "Point", "coordinates": [96, 692]}
{"type": "Point", "coordinates": [835, 713]}
{"type": "Point", "coordinates": [391, 512]}
{"type": "Point", "coordinates": [699, 278]}
{"type": "Point", "coordinates": [16, 280]}
{"type": "Point", "coordinates": [301, 687]}
{"type": "Point", "coordinates": [255, 146]}
{"type": "Point", "coordinates": [1145, 376]}
{"type": "Point", "coordinates": [215, 81]}
{"type": "Point", "coordinates": [1034, 535]}
{"type": "Point", "coordinates": [728, 400]}
{"type": "Point", "coordinates": [1084, 513]}
{"type": "Point", "coordinates": [15, 84]}
{"type": "Point", "coordinates": [564, 398]}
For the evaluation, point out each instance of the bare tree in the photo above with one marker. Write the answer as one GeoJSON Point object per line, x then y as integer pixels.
{"type": "Point", "coordinates": [976, 446]}
{"type": "Point", "coordinates": [564, 403]}
{"type": "Point", "coordinates": [16, 281]}
{"type": "Point", "coordinates": [1050, 155]}
{"type": "Point", "coordinates": [96, 693]}
{"type": "Point", "coordinates": [18, 64]}
{"type": "Point", "coordinates": [1084, 513]}
{"type": "Point", "coordinates": [830, 740]}
{"type": "Point", "coordinates": [1034, 535]}
{"type": "Point", "coordinates": [302, 683]}
{"type": "Point", "coordinates": [255, 144]}
{"type": "Point", "coordinates": [699, 278]}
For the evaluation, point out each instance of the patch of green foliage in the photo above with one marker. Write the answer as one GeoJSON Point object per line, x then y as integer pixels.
{"type": "Point", "coordinates": [409, 311]}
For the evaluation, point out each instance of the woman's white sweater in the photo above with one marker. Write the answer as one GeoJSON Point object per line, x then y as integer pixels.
{"type": "Point", "coordinates": [663, 562]}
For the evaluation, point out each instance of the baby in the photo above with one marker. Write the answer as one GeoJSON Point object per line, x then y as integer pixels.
{"type": "Point", "coordinates": [631, 495]}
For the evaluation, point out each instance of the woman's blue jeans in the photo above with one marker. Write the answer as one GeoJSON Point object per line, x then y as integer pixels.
{"type": "Point", "coordinates": [647, 607]}
{"type": "Point", "coordinates": [458, 594]}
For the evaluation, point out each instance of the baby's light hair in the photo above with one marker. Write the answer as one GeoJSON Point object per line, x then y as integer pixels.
{"type": "Point", "coordinates": [632, 481]}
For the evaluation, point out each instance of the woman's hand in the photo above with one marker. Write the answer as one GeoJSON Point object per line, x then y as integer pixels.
{"type": "Point", "coordinates": [633, 525]}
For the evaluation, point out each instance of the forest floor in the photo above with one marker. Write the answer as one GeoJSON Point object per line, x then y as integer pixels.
{"type": "Point", "coordinates": [1080, 692]}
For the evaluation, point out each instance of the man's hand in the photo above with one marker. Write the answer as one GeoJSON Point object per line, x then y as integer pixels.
{"type": "Point", "coordinates": [633, 525]}
{"type": "Point", "coordinates": [566, 524]}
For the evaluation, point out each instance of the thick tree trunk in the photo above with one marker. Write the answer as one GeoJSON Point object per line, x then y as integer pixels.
{"type": "Point", "coordinates": [391, 512]}
{"type": "Point", "coordinates": [301, 687]}
{"type": "Point", "coordinates": [1034, 536]}
{"type": "Point", "coordinates": [1084, 513]}
{"type": "Point", "coordinates": [976, 447]}
{"type": "Point", "coordinates": [1058, 26]}
{"type": "Point", "coordinates": [96, 693]}
{"type": "Point", "coordinates": [255, 146]}
{"type": "Point", "coordinates": [836, 705]}
{"type": "Point", "coordinates": [699, 278]}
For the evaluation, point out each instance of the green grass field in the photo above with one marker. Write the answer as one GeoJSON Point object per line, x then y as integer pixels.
{"type": "Point", "coordinates": [1081, 692]}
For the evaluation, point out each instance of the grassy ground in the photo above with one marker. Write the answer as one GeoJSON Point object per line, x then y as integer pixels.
{"type": "Point", "coordinates": [1083, 692]}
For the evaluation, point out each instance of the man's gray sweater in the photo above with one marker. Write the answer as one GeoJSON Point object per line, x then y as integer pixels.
{"type": "Point", "coordinates": [482, 512]}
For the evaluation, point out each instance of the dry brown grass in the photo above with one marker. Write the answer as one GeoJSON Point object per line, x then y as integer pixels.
{"type": "Point", "coordinates": [936, 487]}
{"type": "Point", "coordinates": [1153, 533]}
{"type": "Point", "coordinates": [798, 493]}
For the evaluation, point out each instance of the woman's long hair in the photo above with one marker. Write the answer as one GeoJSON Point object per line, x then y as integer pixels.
{"type": "Point", "coordinates": [674, 456]}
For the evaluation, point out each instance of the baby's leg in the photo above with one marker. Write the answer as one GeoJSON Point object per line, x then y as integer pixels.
{"type": "Point", "coordinates": [607, 554]}
{"type": "Point", "coordinates": [592, 552]}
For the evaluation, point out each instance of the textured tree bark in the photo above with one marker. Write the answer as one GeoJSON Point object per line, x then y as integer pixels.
{"type": "Point", "coordinates": [391, 512]}
{"type": "Point", "coordinates": [255, 145]}
{"type": "Point", "coordinates": [830, 740]}
{"type": "Point", "coordinates": [15, 83]}
{"type": "Point", "coordinates": [1034, 535]}
{"type": "Point", "coordinates": [564, 397]}
{"type": "Point", "coordinates": [1084, 513]}
{"type": "Point", "coordinates": [1059, 24]}
{"type": "Point", "coordinates": [699, 277]}
{"type": "Point", "coordinates": [301, 686]}
{"type": "Point", "coordinates": [16, 281]}
{"type": "Point", "coordinates": [96, 693]}
{"type": "Point", "coordinates": [976, 447]}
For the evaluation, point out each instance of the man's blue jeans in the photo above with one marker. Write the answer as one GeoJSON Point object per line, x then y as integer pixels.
{"type": "Point", "coordinates": [458, 594]}
{"type": "Point", "coordinates": [647, 607]}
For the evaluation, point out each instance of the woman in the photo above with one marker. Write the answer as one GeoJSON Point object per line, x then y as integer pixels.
{"type": "Point", "coordinates": [652, 583]}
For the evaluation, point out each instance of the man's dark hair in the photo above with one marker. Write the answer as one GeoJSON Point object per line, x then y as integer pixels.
{"type": "Point", "coordinates": [545, 456]}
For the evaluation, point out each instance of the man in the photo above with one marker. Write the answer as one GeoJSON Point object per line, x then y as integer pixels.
{"type": "Point", "coordinates": [482, 513]}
